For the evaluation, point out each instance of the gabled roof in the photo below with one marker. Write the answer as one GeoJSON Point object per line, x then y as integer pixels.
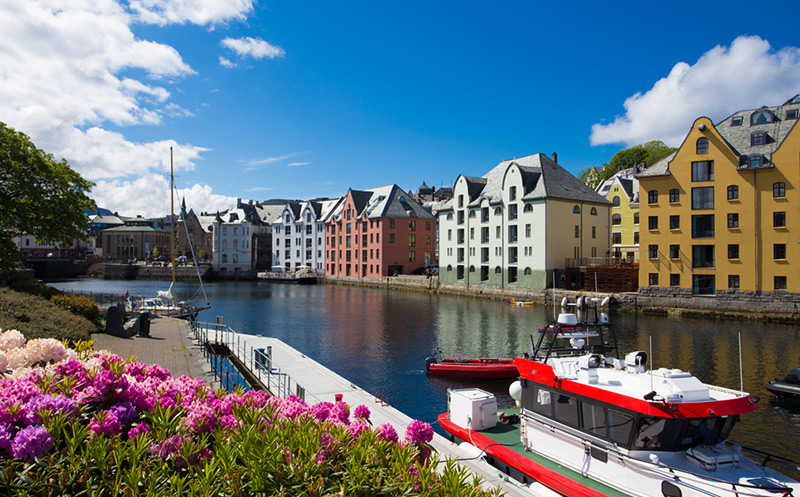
{"type": "Point", "coordinates": [660, 168]}
{"type": "Point", "coordinates": [738, 137]}
{"type": "Point", "coordinates": [385, 201]}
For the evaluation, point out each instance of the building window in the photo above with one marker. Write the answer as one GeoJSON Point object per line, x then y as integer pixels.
{"type": "Point", "coordinates": [616, 219]}
{"type": "Point", "coordinates": [674, 222]}
{"type": "Point", "coordinates": [791, 114]}
{"type": "Point", "coordinates": [652, 279]}
{"type": "Point", "coordinates": [594, 231]}
{"type": "Point", "coordinates": [778, 190]}
{"type": "Point", "coordinates": [703, 198]}
{"type": "Point", "coordinates": [733, 192]}
{"type": "Point", "coordinates": [527, 208]}
{"type": "Point", "coordinates": [674, 280]}
{"type": "Point", "coordinates": [736, 121]}
{"type": "Point", "coordinates": [616, 238]}
{"type": "Point", "coordinates": [412, 255]}
{"type": "Point", "coordinates": [449, 235]}
{"type": "Point", "coordinates": [391, 223]}
{"type": "Point", "coordinates": [758, 138]}
{"type": "Point", "coordinates": [412, 240]}
{"type": "Point", "coordinates": [703, 226]}
{"type": "Point", "coordinates": [512, 212]}
{"type": "Point", "coordinates": [733, 281]}
{"type": "Point", "coordinates": [703, 170]}
{"type": "Point", "coordinates": [754, 161]}
{"type": "Point", "coordinates": [702, 145]}
{"type": "Point", "coordinates": [592, 212]}
{"type": "Point", "coordinates": [761, 117]}
{"type": "Point", "coordinates": [674, 251]}
{"type": "Point", "coordinates": [779, 251]}
{"type": "Point", "coordinates": [576, 210]}
{"type": "Point", "coordinates": [652, 222]}
{"type": "Point", "coordinates": [498, 233]}
{"type": "Point", "coordinates": [733, 220]}
{"type": "Point", "coordinates": [733, 251]}
{"type": "Point", "coordinates": [616, 201]}
{"type": "Point", "coordinates": [779, 219]}
{"type": "Point", "coordinates": [498, 211]}
{"type": "Point", "coordinates": [674, 195]}
{"type": "Point", "coordinates": [391, 237]}
{"type": "Point", "coordinates": [703, 256]}
{"type": "Point", "coordinates": [461, 201]}
{"type": "Point", "coordinates": [780, 283]}
{"type": "Point", "coordinates": [652, 251]}
{"type": "Point", "coordinates": [577, 231]}
{"type": "Point", "coordinates": [652, 197]}
{"type": "Point", "coordinates": [512, 193]}
{"type": "Point", "coordinates": [636, 238]}
{"type": "Point", "coordinates": [412, 226]}
{"type": "Point", "coordinates": [635, 218]}
{"type": "Point", "coordinates": [703, 284]}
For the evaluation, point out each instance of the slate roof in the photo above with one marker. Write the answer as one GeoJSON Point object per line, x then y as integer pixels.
{"type": "Point", "coordinates": [134, 228]}
{"type": "Point", "coordinates": [660, 168]}
{"type": "Point", "coordinates": [384, 201]}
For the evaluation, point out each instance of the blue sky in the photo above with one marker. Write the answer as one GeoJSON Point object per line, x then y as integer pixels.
{"type": "Point", "coordinates": [307, 99]}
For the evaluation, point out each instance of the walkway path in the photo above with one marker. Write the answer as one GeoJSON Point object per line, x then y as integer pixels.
{"type": "Point", "coordinates": [169, 345]}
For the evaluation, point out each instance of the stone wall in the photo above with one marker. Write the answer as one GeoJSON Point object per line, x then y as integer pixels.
{"type": "Point", "coordinates": [726, 304]}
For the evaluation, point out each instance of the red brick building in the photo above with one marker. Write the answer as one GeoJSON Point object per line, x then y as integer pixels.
{"type": "Point", "coordinates": [379, 232]}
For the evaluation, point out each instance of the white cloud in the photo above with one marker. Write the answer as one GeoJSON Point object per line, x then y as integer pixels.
{"type": "Point", "coordinates": [226, 63]}
{"type": "Point", "coordinates": [253, 47]}
{"type": "Point", "coordinates": [148, 195]}
{"type": "Point", "coordinates": [255, 164]}
{"type": "Point", "coordinates": [258, 189]}
{"type": "Point", "coordinates": [297, 164]}
{"type": "Point", "coordinates": [70, 70]}
{"type": "Point", "coordinates": [201, 12]}
{"type": "Point", "coordinates": [748, 74]}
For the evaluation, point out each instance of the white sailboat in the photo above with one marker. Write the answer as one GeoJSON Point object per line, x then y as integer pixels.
{"type": "Point", "coordinates": [165, 303]}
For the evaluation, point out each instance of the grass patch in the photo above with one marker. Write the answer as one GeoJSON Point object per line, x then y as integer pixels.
{"type": "Point", "coordinates": [36, 317]}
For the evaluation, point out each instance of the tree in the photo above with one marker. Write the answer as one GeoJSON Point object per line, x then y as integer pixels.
{"type": "Point", "coordinates": [643, 155]}
{"type": "Point", "coordinates": [39, 196]}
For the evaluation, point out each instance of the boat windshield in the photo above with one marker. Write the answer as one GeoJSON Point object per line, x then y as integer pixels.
{"type": "Point", "coordinates": [670, 434]}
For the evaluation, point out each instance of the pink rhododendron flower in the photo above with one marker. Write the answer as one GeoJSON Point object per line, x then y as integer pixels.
{"type": "Point", "coordinates": [142, 429]}
{"type": "Point", "coordinates": [201, 418]}
{"type": "Point", "coordinates": [321, 410]}
{"type": "Point", "coordinates": [419, 432]}
{"type": "Point", "coordinates": [340, 412]}
{"type": "Point", "coordinates": [106, 424]}
{"type": "Point", "coordinates": [388, 433]}
{"type": "Point", "coordinates": [362, 412]}
{"type": "Point", "coordinates": [357, 427]}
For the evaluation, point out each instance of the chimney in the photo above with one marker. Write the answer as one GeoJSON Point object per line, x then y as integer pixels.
{"type": "Point", "coordinates": [555, 157]}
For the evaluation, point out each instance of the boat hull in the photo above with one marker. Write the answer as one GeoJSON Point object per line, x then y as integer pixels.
{"type": "Point", "coordinates": [489, 369]}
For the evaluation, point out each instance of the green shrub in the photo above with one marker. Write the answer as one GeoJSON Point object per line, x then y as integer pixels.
{"type": "Point", "coordinates": [36, 317]}
{"type": "Point", "coordinates": [77, 304]}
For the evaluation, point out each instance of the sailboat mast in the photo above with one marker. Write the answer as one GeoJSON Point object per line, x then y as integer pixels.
{"type": "Point", "coordinates": [172, 223]}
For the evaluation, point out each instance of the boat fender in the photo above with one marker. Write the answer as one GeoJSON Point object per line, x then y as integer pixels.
{"type": "Point", "coordinates": [515, 391]}
{"type": "Point", "coordinates": [581, 302]}
{"type": "Point", "coordinates": [564, 302]}
{"type": "Point", "coordinates": [428, 362]}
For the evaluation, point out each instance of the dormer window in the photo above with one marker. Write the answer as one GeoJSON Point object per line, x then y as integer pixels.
{"type": "Point", "coordinates": [736, 121]}
{"type": "Point", "coordinates": [762, 116]}
{"type": "Point", "coordinates": [754, 161]}
{"type": "Point", "coordinates": [758, 138]}
{"type": "Point", "coordinates": [791, 114]}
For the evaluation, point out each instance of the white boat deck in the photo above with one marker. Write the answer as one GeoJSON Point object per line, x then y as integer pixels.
{"type": "Point", "coordinates": [321, 384]}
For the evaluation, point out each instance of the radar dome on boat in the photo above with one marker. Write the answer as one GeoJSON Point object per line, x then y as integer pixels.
{"type": "Point", "coordinates": [515, 391]}
{"type": "Point", "coordinates": [567, 319]}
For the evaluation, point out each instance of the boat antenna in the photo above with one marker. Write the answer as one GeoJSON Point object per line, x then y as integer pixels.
{"type": "Point", "coordinates": [172, 220]}
{"type": "Point", "coordinates": [741, 374]}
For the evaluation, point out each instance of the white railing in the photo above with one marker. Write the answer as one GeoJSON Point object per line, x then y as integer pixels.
{"type": "Point", "coordinates": [258, 362]}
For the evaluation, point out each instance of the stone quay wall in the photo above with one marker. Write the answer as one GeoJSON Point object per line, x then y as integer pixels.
{"type": "Point", "coordinates": [726, 304]}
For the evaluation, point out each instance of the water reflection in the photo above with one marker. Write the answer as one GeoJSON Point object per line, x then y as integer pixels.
{"type": "Point", "coordinates": [379, 339]}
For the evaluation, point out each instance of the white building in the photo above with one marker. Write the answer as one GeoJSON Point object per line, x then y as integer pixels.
{"type": "Point", "coordinates": [298, 235]}
{"type": "Point", "coordinates": [232, 242]}
{"type": "Point", "coordinates": [516, 225]}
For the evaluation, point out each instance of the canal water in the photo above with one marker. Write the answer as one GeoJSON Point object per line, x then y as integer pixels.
{"type": "Point", "coordinates": [379, 339]}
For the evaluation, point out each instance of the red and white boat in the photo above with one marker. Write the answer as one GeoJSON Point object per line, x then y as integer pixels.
{"type": "Point", "coordinates": [489, 369]}
{"type": "Point", "coordinates": [590, 424]}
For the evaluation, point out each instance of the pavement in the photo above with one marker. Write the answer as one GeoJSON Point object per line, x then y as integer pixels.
{"type": "Point", "coordinates": [169, 345]}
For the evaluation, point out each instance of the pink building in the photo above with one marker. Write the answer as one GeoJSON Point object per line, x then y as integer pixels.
{"type": "Point", "coordinates": [379, 232]}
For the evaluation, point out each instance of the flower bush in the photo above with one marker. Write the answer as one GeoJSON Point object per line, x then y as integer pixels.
{"type": "Point", "coordinates": [80, 422]}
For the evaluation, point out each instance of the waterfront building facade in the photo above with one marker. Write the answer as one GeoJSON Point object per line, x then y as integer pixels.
{"type": "Point", "coordinates": [622, 190]}
{"type": "Point", "coordinates": [720, 215]}
{"type": "Point", "coordinates": [378, 232]}
{"type": "Point", "coordinates": [190, 235]}
{"type": "Point", "coordinates": [517, 225]}
{"type": "Point", "coordinates": [136, 239]}
{"type": "Point", "coordinates": [232, 233]}
{"type": "Point", "coordinates": [298, 235]}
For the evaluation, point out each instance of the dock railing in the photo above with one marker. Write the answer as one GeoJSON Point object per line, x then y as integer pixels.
{"type": "Point", "coordinates": [258, 361]}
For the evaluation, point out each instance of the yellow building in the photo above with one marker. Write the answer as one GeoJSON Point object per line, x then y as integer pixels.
{"type": "Point", "coordinates": [722, 214]}
{"type": "Point", "coordinates": [622, 190]}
